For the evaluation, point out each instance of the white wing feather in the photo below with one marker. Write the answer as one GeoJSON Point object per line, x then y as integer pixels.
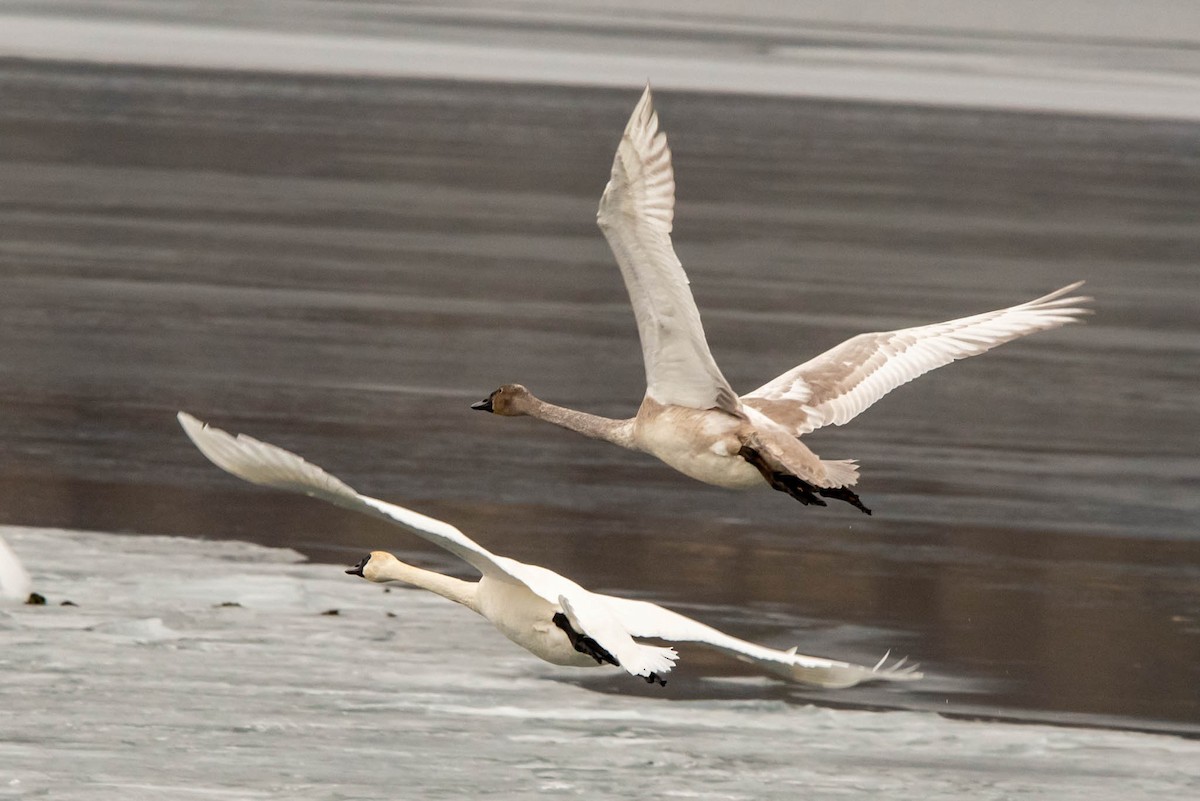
{"type": "Point", "coordinates": [644, 619]}
{"type": "Point", "coordinates": [272, 466]}
{"type": "Point", "coordinates": [636, 214]}
{"type": "Point", "coordinates": [838, 385]}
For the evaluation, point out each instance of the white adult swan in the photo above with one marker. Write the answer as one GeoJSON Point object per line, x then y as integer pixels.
{"type": "Point", "coordinates": [549, 615]}
{"type": "Point", "coordinates": [691, 418]}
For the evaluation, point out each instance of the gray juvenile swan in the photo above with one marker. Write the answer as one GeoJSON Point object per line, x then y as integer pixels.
{"type": "Point", "coordinates": [545, 613]}
{"type": "Point", "coordinates": [691, 418]}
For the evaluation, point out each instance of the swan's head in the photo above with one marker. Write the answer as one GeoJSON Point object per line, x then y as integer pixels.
{"type": "Point", "coordinates": [375, 566]}
{"type": "Point", "coordinates": [511, 400]}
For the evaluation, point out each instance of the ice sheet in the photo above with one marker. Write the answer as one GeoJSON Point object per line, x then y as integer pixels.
{"type": "Point", "coordinates": [1098, 64]}
{"type": "Point", "coordinates": [192, 668]}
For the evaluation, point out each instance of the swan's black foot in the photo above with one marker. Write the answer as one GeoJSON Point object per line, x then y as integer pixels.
{"type": "Point", "coordinates": [797, 487]}
{"type": "Point", "coordinates": [586, 645]}
{"type": "Point", "coordinates": [844, 494]}
{"type": "Point", "coordinates": [583, 643]}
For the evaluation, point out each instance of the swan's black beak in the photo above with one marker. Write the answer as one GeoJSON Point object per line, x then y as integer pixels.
{"type": "Point", "coordinates": [357, 570]}
{"type": "Point", "coordinates": [484, 405]}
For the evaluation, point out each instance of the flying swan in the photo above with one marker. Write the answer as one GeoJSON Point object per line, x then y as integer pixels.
{"type": "Point", "coordinates": [690, 417]}
{"type": "Point", "coordinates": [545, 613]}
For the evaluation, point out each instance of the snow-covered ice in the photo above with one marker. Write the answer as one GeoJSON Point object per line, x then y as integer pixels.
{"type": "Point", "coordinates": [154, 685]}
{"type": "Point", "coordinates": [753, 48]}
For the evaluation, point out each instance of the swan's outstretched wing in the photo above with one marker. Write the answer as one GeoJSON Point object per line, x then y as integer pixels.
{"type": "Point", "coordinates": [272, 466]}
{"type": "Point", "coordinates": [14, 581]}
{"type": "Point", "coordinates": [644, 619]}
{"type": "Point", "coordinates": [839, 384]}
{"type": "Point", "coordinates": [635, 215]}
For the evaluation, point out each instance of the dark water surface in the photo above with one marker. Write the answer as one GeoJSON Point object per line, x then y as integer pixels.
{"type": "Point", "coordinates": [342, 266]}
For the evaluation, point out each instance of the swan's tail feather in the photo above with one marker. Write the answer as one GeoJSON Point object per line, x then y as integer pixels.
{"type": "Point", "coordinates": [840, 472]}
{"type": "Point", "coordinates": [656, 661]}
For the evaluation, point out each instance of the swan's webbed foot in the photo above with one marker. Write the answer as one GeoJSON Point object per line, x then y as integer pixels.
{"type": "Point", "coordinates": [797, 487]}
{"type": "Point", "coordinates": [583, 643]}
{"type": "Point", "coordinates": [654, 678]}
{"type": "Point", "coordinates": [844, 494]}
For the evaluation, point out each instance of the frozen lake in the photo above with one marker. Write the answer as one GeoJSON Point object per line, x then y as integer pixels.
{"type": "Point", "coordinates": [193, 669]}
{"type": "Point", "coordinates": [1071, 56]}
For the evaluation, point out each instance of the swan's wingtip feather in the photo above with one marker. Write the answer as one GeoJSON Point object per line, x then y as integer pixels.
{"type": "Point", "coordinates": [902, 670]}
{"type": "Point", "coordinates": [189, 422]}
{"type": "Point", "coordinates": [839, 676]}
{"type": "Point", "coordinates": [202, 435]}
{"type": "Point", "coordinates": [647, 98]}
{"type": "Point", "coordinates": [643, 121]}
{"type": "Point", "coordinates": [1059, 296]}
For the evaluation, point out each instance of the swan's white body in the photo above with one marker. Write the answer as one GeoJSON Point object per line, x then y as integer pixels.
{"type": "Point", "coordinates": [14, 581]}
{"type": "Point", "coordinates": [691, 417]}
{"type": "Point", "coordinates": [526, 618]}
{"type": "Point", "coordinates": [523, 600]}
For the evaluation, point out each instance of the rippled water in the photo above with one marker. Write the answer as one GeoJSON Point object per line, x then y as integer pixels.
{"type": "Point", "coordinates": [343, 264]}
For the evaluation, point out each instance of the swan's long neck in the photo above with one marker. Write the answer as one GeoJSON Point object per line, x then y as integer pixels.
{"type": "Point", "coordinates": [618, 432]}
{"type": "Point", "coordinates": [457, 590]}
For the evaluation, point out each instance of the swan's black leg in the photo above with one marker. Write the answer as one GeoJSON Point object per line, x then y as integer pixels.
{"type": "Point", "coordinates": [583, 643]}
{"type": "Point", "coordinates": [844, 494]}
{"type": "Point", "coordinates": [798, 488]}
{"type": "Point", "coordinates": [586, 645]}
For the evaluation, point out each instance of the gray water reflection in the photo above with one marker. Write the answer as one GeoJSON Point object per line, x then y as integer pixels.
{"type": "Point", "coordinates": [341, 266]}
